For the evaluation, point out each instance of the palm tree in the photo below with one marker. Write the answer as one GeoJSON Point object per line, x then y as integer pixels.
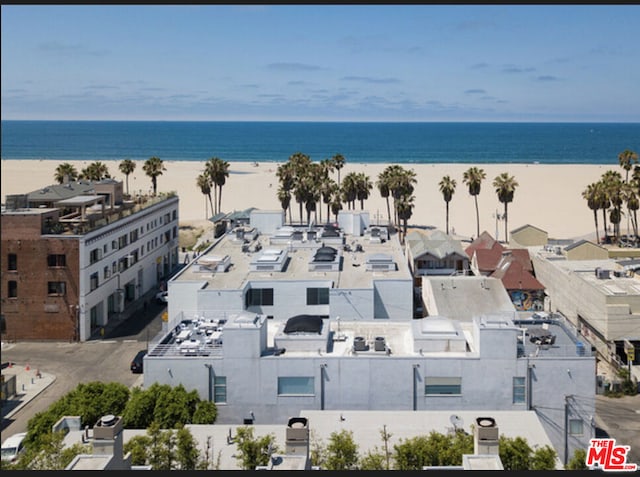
{"type": "Point", "coordinates": [404, 207]}
{"type": "Point", "coordinates": [65, 171]}
{"type": "Point", "coordinates": [473, 178]}
{"type": "Point", "coordinates": [363, 188]}
{"type": "Point", "coordinates": [154, 167]}
{"type": "Point", "coordinates": [612, 188]}
{"type": "Point", "coordinates": [590, 194]}
{"type": "Point", "coordinates": [383, 187]}
{"type": "Point", "coordinates": [127, 167]}
{"type": "Point", "coordinates": [350, 189]}
{"type": "Point", "coordinates": [626, 159]}
{"type": "Point", "coordinates": [630, 197]}
{"type": "Point", "coordinates": [204, 184]}
{"type": "Point", "coordinates": [96, 171]}
{"type": "Point", "coordinates": [505, 186]}
{"type": "Point", "coordinates": [447, 187]}
{"type": "Point", "coordinates": [401, 184]}
{"type": "Point", "coordinates": [284, 196]}
{"type": "Point", "coordinates": [219, 178]}
{"type": "Point", "coordinates": [338, 163]}
{"type": "Point", "coordinates": [328, 191]}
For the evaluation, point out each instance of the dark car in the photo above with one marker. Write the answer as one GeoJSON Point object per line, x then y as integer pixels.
{"type": "Point", "coordinates": [136, 364]}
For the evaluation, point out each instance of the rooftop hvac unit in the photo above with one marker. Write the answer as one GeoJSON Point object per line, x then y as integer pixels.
{"type": "Point", "coordinates": [379, 343]}
{"type": "Point", "coordinates": [359, 344]}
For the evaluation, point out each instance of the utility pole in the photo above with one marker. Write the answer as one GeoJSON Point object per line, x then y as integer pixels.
{"type": "Point", "coordinates": [566, 428]}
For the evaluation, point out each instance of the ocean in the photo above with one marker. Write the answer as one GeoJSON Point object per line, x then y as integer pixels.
{"type": "Point", "coordinates": [358, 142]}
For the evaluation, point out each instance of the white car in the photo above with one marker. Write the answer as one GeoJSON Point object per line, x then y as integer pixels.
{"type": "Point", "coordinates": [13, 446]}
{"type": "Point", "coordinates": [162, 297]}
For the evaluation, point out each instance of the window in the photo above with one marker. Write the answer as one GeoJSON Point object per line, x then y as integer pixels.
{"type": "Point", "coordinates": [106, 272]}
{"type": "Point", "coordinates": [219, 389]}
{"type": "Point", "coordinates": [13, 289]}
{"type": "Point", "coordinates": [95, 255]}
{"type": "Point", "coordinates": [57, 260]}
{"type": "Point", "coordinates": [317, 296]}
{"type": "Point", "coordinates": [114, 245]}
{"type": "Point", "coordinates": [122, 241]}
{"type": "Point", "coordinates": [56, 288]}
{"type": "Point", "coordinates": [94, 281]}
{"type": "Point", "coordinates": [518, 390]}
{"type": "Point", "coordinates": [12, 259]}
{"type": "Point", "coordinates": [441, 385]}
{"type": "Point", "coordinates": [259, 296]}
{"type": "Point", "coordinates": [576, 427]}
{"type": "Point", "coordinates": [296, 385]}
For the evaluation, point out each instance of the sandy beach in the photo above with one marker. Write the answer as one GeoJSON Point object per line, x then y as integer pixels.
{"type": "Point", "coordinates": [548, 196]}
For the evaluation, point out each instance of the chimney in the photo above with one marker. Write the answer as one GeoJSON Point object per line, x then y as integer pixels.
{"type": "Point", "coordinates": [297, 437]}
{"type": "Point", "coordinates": [107, 436]}
{"type": "Point", "coordinates": [485, 436]}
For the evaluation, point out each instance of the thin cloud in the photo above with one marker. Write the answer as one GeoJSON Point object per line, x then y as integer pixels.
{"type": "Point", "coordinates": [65, 49]}
{"type": "Point", "coordinates": [516, 69]}
{"type": "Point", "coordinates": [292, 67]}
{"type": "Point", "coordinates": [371, 80]}
{"type": "Point", "coordinates": [479, 66]}
{"type": "Point", "coordinates": [475, 91]}
{"type": "Point", "coordinates": [547, 78]}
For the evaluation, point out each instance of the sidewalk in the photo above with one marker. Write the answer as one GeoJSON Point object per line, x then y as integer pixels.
{"type": "Point", "coordinates": [29, 383]}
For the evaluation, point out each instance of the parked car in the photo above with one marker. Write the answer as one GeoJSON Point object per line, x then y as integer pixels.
{"type": "Point", "coordinates": [137, 362]}
{"type": "Point", "coordinates": [13, 446]}
{"type": "Point", "coordinates": [162, 297]}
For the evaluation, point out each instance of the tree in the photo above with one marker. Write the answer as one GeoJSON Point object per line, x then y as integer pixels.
{"type": "Point", "coordinates": [253, 451]}
{"type": "Point", "coordinates": [473, 178]}
{"type": "Point", "coordinates": [404, 207]}
{"type": "Point", "coordinates": [204, 184]}
{"type": "Point", "coordinates": [127, 167]}
{"type": "Point", "coordinates": [505, 186]}
{"type": "Point", "coordinates": [626, 159]}
{"type": "Point", "coordinates": [65, 171]}
{"type": "Point", "coordinates": [187, 454]}
{"type": "Point", "coordinates": [612, 188]}
{"type": "Point", "coordinates": [342, 451]}
{"type": "Point", "coordinates": [383, 187]}
{"type": "Point", "coordinates": [543, 459]}
{"type": "Point", "coordinates": [96, 171]}
{"type": "Point", "coordinates": [515, 453]}
{"type": "Point", "coordinates": [51, 454]}
{"type": "Point", "coordinates": [206, 412]}
{"type": "Point", "coordinates": [363, 188]}
{"type": "Point", "coordinates": [284, 197]}
{"type": "Point", "coordinates": [590, 194]}
{"type": "Point", "coordinates": [218, 171]}
{"type": "Point", "coordinates": [154, 167]}
{"type": "Point", "coordinates": [447, 187]}
{"type": "Point", "coordinates": [578, 461]}
{"type": "Point", "coordinates": [338, 161]}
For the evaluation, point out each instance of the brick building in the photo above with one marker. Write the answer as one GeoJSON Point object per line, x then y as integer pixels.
{"type": "Point", "coordinates": [75, 255]}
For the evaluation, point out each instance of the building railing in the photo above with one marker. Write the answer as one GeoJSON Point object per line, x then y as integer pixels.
{"type": "Point", "coordinates": [97, 220]}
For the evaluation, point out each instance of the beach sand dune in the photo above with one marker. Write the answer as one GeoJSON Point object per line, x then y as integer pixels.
{"type": "Point", "coordinates": [548, 196]}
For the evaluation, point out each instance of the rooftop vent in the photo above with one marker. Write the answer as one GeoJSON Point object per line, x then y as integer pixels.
{"type": "Point", "coordinates": [359, 344]}
{"type": "Point", "coordinates": [379, 343]}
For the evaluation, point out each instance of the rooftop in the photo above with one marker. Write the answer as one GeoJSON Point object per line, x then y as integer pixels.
{"type": "Point", "coordinates": [290, 255]}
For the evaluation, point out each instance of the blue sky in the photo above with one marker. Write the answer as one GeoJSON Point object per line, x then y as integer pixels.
{"type": "Point", "coordinates": [321, 63]}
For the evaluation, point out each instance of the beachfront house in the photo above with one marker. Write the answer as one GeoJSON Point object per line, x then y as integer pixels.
{"type": "Point", "coordinates": [78, 254]}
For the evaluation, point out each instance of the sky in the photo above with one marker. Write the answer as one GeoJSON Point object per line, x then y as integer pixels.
{"type": "Point", "coordinates": [548, 63]}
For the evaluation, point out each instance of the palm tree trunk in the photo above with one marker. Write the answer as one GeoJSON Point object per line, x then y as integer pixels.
{"type": "Point", "coordinates": [477, 216]}
{"type": "Point", "coordinates": [604, 221]}
{"type": "Point", "coordinates": [215, 197]}
{"type": "Point", "coordinates": [220, 199]}
{"type": "Point", "coordinates": [506, 237]}
{"type": "Point", "coordinates": [595, 219]}
{"type": "Point", "coordinates": [447, 205]}
{"type": "Point", "coordinates": [388, 209]}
